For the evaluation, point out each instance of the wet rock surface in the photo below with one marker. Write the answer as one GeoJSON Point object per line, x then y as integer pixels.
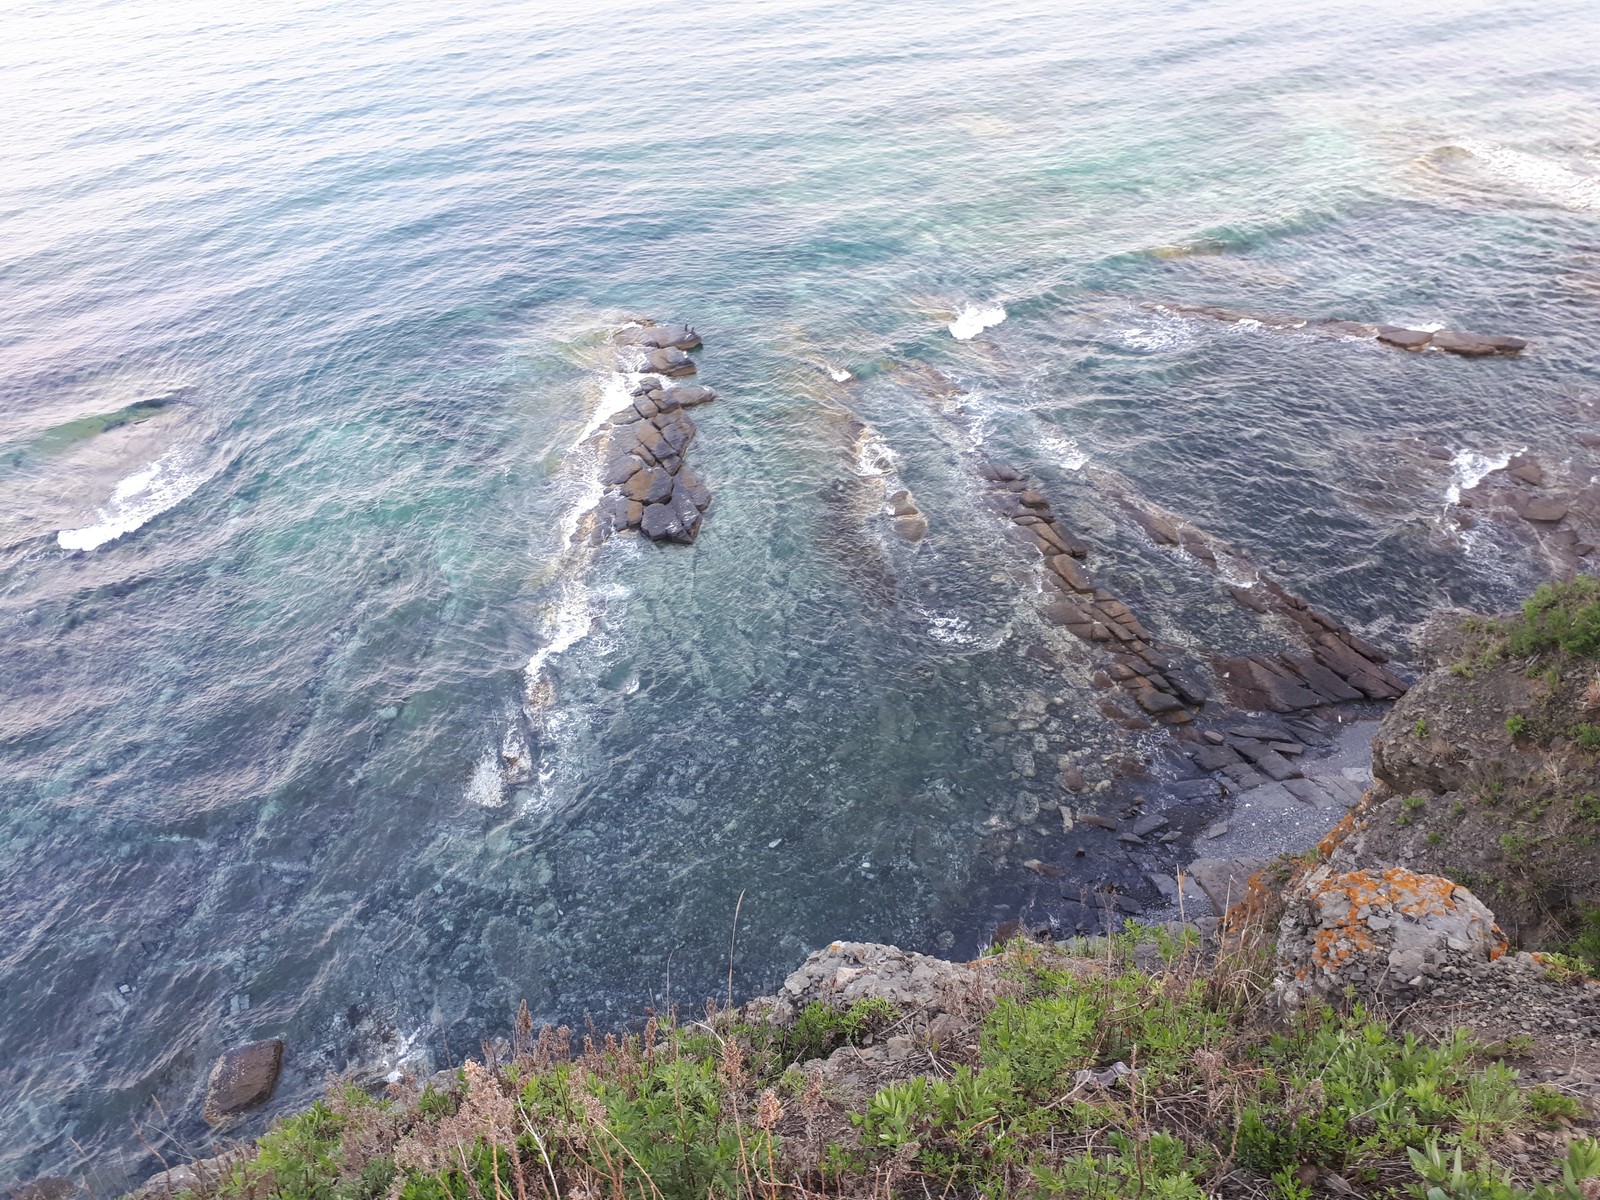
{"type": "Point", "coordinates": [1449, 341]}
{"type": "Point", "coordinates": [644, 446]}
{"type": "Point", "coordinates": [243, 1078]}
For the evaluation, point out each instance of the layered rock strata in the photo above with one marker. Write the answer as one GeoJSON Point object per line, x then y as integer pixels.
{"type": "Point", "coordinates": [1132, 659]}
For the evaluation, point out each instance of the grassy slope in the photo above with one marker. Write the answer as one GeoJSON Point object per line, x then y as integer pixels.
{"type": "Point", "coordinates": [1227, 1097]}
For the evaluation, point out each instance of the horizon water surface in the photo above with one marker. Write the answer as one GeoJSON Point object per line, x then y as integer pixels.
{"type": "Point", "coordinates": [316, 721]}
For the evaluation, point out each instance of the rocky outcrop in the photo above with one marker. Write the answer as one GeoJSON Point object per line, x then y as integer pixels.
{"type": "Point", "coordinates": [243, 1078]}
{"type": "Point", "coordinates": [197, 1178]}
{"type": "Point", "coordinates": [1559, 503]}
{"type": "Point", "coordinates": [1131, 658]}
{"type": "Point", "coordinates": [844, 972]}
{"type": "Point", "coordinates": [1380, 935]}
{"type": "Point", "coordinates": [650, 489]}
{"type": "Point", "coordinates": [1483, 775]}
{"type": "Point", "coordinates": [1450, 341]}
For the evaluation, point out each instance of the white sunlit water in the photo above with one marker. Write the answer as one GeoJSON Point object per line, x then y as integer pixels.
{"type": "Point", "coordinates": [322, 717]}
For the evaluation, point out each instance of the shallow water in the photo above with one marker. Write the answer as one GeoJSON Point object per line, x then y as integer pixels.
{"type": "Point", "coordinates": [302, 316]}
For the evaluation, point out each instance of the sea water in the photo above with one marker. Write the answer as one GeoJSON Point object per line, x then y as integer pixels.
{"type": "Point", "coordinates": [319, 716]}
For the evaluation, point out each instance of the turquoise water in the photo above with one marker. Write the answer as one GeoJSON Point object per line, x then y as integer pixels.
{"type": "Point", "coordinates": [302, 323]}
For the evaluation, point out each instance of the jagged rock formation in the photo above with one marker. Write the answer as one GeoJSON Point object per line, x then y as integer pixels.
{"type": "Point", "coordinates": [1482, 777]}
{"type": "Point", "coordinates": [1133, 659]}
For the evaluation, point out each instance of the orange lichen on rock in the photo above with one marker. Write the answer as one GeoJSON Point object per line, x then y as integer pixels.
{"type": "Point", "coordinates": [1378, 930]}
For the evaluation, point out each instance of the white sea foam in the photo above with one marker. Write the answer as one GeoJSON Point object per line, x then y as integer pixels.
{"type": "Point", "coordinates": [1169, 333]}
{"type": "Point", "coordinates": [147, 493]}
{"type": "Point", "coordinates": [486, 788]}
{"type": "Point", "coordinates": [839, 374]}
{"type": "Point", "coordinates": [973, 319]}
{"type": "Point", "coordinates": [1470, 469]}
{"type": "Point", "coordinates": [570, 619]}
{"type": "Point", "coordinates": [1064, 450]}
{"type": "Point", "coordinates": [955, 631]}
{"type": "Point", "coordinates": [875, 458]}
{"type": "Point", "coordinates": [1550, 180]}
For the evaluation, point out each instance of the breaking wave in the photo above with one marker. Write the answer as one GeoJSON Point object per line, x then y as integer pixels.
{"type": "Point", "coordinates": [136, 500]}
{"type": "Point", "coordinates": [974, 319]}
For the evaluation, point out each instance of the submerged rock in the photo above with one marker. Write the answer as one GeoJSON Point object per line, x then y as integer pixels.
{"type": "Point", "coordinates": [243, 1078]}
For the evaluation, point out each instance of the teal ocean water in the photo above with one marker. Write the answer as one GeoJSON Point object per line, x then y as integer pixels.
{"type": "Point", "coordinates": [314, 721]}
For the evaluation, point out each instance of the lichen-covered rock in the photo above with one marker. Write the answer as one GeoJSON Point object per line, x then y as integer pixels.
{"type": "Point", "coordinates": [200, 1177]}
{"type": "Point", "coordinates": [1380, 934]}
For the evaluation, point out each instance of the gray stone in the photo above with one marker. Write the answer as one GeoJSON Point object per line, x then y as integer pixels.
{"type": "Point", "coordinates": [1224, 880]}
{"type": "Point", "coordinates": [1378, 933]}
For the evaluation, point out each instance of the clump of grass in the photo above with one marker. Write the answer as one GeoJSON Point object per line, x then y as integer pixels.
{"type": "Point", "coordinates": [1562, 616]}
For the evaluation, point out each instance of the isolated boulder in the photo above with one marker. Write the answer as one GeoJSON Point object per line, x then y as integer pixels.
{"type": "Point", "coordinates": [1385, 934]}
{"type": "Point", "coordinates": [243, 1078]}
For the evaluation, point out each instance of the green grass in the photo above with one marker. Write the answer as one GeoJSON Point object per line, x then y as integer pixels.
{"type": "Point", "coordinates": [1559, 617]}
{"type": "Point", "coordinates": [1217, 1091]}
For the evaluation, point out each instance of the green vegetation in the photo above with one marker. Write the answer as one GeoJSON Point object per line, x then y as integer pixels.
{"type": "Point", "coordinates": [1420, 729]}
{"type": "Point", "coordinates": [1515, 724]}
{"type": "Point", "coordinates": [1086, 1077]}
{"type": "Point", "coordinates": [1562, 617]}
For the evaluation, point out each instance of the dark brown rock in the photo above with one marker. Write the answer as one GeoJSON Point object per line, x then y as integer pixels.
{"type": "Point", "coordinates": [650, 486]}
{"type": "Point", "coordinates": [1469, 345]}
{"type": "Point", "coordinates": [673, 363]}
{"type": "Point", "coordinates": [46, 1187]}
{"type": "Point", "coordinates": [668, 522]}
{"type": "Point", "coordinates": [620, 469]}
{"type": "Point", "coordinates": [243, 1078]}
{"type": "Point", "coordinates": [674, 398]}
{"type": "Point", "coordinates": [1405, 339]}
{"type": "Point", "coordinates": [1321, 680]}
{"type": "Point", "coordinates": [689, 484]}
{"type": "Point", "coordinates": [1070, 573]}
{"type": "Point", "coordinates": [1526, 470]}
{"type": "Point", "coordinates": [677, 431]}
{"type": "Point", "coordinates": [1544, 510]}
{"type": "Point", "coordinates": [913, 527]}
{"type": "Point", "coordinates": [1251, 598]}
{"type": "Point", "coordinates": [1158, 702]}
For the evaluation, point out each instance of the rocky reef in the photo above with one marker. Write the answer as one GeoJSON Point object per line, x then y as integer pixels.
{"type": "Point", "coordinates": [650, 488]}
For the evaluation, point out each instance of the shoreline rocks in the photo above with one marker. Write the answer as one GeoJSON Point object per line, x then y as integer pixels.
{"type": "Point", "coordinates": [1450, 341]}
{"type": "Point", "coordinates": [650, 489]}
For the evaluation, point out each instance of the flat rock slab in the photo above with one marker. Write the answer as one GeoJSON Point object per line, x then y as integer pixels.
{"type": "Point", "coordinates": [243, 1078]}
{"type": "Point", "coordinates": [655, 337]}
{"type": "Point", "coordinates": [1224, 880]}
{"type": "Point", "coordinates": [1405, 339]}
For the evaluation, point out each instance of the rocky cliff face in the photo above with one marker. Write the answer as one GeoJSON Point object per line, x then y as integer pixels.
{"type": "Point", "coordinates": [1488, 773]}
